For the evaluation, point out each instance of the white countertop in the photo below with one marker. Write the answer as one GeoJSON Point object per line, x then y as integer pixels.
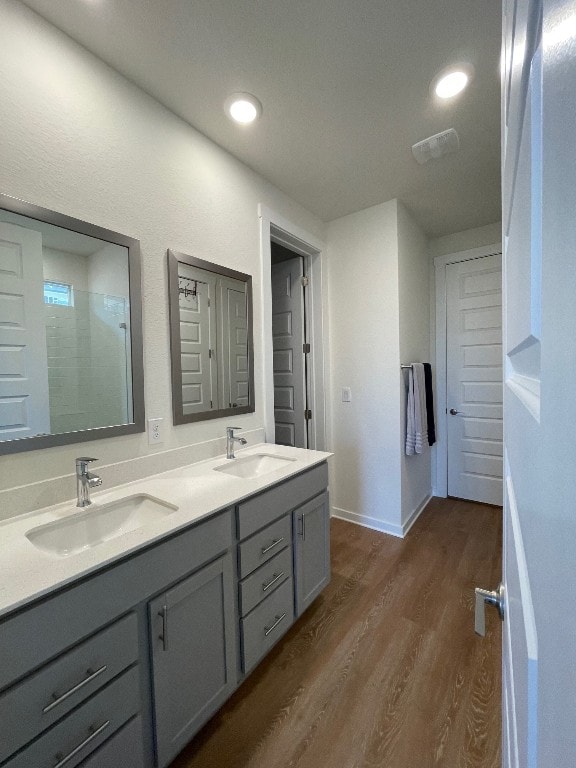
{"type": "Point", "coordinates": [198, 491]}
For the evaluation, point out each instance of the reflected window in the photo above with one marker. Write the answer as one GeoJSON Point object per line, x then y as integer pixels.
{"type": "Point", "coordinates": [58, 293]}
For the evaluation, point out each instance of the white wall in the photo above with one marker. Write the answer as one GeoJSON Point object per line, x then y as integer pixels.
{"type": "Point", "coordinates": [379, 317]}
{"type": "Point", "coordinates": [464, 241]}
{"type": "Point", "coordinates": [80, 139]}
{"type": "Point", "coordinates": [414, 314]}
{"type": "Point", "coordinates": [365, 355]}
{"type": "Point", "coordinates": [64, 267]}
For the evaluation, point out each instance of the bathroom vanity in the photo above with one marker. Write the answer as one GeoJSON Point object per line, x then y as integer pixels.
{"type": "Point", "coordinates": [119, 653]}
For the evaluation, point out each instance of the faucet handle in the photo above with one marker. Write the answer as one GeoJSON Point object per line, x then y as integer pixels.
{"type": "Point", "coordinates": [230, 430]}
{"type": "Point", "coordinates": [83, 461]}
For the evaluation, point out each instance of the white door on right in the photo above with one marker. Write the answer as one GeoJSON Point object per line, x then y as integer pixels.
{"type": "Point", "coordinates": [539, 228]}
{"type": "Point", "coordinates": [474, 378]}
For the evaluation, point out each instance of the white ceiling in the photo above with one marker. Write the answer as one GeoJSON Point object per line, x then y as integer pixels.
{"type": "Point", "coordinates": [344, 85]}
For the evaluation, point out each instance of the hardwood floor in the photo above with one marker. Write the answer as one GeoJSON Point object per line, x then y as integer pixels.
{"type": "Point", "coordinates": [384, 669]}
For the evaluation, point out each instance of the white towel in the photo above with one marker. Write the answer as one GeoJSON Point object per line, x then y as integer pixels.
{"type": "Point", "coordinates": [416, 421]}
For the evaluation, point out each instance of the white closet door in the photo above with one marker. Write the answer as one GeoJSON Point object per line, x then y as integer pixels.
{"type": "Point", "coordinates": [474, 379]}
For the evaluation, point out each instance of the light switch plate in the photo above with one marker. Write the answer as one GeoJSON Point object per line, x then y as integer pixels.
{"type": "Point", "coordinates": [155, 431]}
{"type": "Point", "coordinates": [346, 395]}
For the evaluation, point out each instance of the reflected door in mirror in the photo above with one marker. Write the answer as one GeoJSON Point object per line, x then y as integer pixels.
{"type": "Point", "coordinates": [23, 360]}
{"type": "Point", "coordinates": [211, 339]}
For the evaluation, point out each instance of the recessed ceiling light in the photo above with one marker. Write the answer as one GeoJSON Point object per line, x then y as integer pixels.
{"type": "Point", "coordinates": [451, 82]}
{"type": "Point", "coordinates": [243, 108]}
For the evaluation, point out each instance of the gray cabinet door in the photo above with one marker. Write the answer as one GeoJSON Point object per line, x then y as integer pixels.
{"type": "Point", "coordinates": [311, 550]}
{"type": "Point", "coordinates": [193, 640]}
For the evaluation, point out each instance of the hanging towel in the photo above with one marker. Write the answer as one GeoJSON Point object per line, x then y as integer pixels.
{"type": "Point", "coordinates": [416, 420]}
{"type": "Point", "coordinates": [429, 403]}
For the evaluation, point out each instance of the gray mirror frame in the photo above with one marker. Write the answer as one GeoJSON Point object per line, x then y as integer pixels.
{"type": "Point", "coordinates": [174, 257]}
{"type": "Point", "coordinates": [15, 205]}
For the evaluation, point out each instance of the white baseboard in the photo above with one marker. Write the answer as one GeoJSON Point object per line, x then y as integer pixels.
{"type": "Point", "coordinates": [375, 524]}
{"type": "Point", "coordinates": [368, 522]}
{"type": "Point", "coordinates": [416, 514]}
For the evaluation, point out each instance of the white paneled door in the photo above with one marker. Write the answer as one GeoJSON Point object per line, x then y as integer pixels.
{"type": "Point", "coordinates": [474, 379]}
{"type": "Point", "coordinates": [288, 355]}
{"type": "Point", "coordinates": [24, 405]}
{"type": "Point", "coordinates": [197, 337]}
{"type": "Point", "coordinates": [235, 379]}
{"type": "Point", "coordinates": [539, 227]}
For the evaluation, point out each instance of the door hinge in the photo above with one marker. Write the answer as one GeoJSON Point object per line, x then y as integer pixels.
{"type": "Point", "coordinates": [208, 302]}
{"type": "Point", "coordinates": [308, 414]}
{"type": "Point", "coordinates": [305, 281]}
{"type": "Point", "coordinates": [306, 349]}
{"type": "Point", "coordinates": [211, 404]}
{"type": "Point", "coordinates": [210, 353]}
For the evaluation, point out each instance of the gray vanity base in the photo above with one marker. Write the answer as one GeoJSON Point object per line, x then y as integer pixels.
{"type": "Point", "coordinates": [125, 666]}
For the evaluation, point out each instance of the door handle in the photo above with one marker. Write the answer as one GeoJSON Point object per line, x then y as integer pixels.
{"type": "Point", "coordinates": [454, 412]}
{"type": "Point", "coordinates": [483, 596]}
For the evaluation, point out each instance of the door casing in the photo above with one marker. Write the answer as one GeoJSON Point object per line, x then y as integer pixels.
{"type": "Point", "coordinates": [275, 227]}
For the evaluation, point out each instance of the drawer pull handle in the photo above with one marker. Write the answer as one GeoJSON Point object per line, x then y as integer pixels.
{"type": "Point", "coordinates": [267, 630]}
{"type": "Point", "coordinates": [94, 732]}
{"type": "Point", "coordinates": [164, 636]}
{"type": "Point", "coordinates": [59, 699]}
{"type": "Point", "coordinates": [275, 543]}
{"type": "Point", "coordinates": [275, 578]}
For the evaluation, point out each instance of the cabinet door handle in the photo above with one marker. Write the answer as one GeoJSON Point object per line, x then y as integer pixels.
{"type": "Point", "coordinates": [303, 526]}
{"type": "Point", "coordinates": [58, 699]}
{"type": "Point", "coordinates": [275, 543]}
{"type": "Point", "coordinates": [164, 636]}
{"type": "Point", "coordinates": [275, 578]}
{"type": "Point", "coordinates": [62, 760]}
{"type": "Point", "coordinates": [267, 630]}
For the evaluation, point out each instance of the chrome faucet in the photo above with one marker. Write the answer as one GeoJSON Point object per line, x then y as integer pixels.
{"type": "Point", "coordinates": [231, 439]}
{"type": "Point", "coordinates": [85, 480]}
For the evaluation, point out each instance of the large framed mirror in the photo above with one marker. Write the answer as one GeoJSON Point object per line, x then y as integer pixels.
{"type": "Point", "coordinates": [210, 339]}
{"type": "Point", "coordinates": [70, 330]}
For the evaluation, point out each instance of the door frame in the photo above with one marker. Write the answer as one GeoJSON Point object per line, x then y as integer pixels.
{"type": "Point", "coordinates": [440, 450]}
{"type": "Point", "coordinates": [273, 226]}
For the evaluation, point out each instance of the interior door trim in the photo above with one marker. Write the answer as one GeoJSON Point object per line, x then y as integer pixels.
{"type": "Point", "coordinates": [303, 243]}
{"type": "Point", "coordinates": [438, 352]}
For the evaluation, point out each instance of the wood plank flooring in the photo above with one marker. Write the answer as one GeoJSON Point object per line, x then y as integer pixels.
{"type": "Point", "coordinates": [384, 669]}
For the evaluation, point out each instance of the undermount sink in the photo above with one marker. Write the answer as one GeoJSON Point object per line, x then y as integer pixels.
{"type": "Point", "coordinates": [256, 465]}
{"type": "Point", "coordinates": [97, 524]}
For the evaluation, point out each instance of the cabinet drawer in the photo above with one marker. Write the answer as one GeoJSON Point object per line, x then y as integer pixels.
{"type": "Point", "coordinates": [109, 593]}
{"type": "Point", "coordinates": [264, 545]}
{"type": "Point", "coordinates": [266, 624]}
{"type": "Point", "coordinates": [30, 707]}
{"type": "Point", "coordinates": [260, 510]}
{"type": "Point", "coordinates": [123, 749]}
{"type": "Point", "coordinates": [77, 735]}
{"type": "Point", "coordinates": [265, 580]}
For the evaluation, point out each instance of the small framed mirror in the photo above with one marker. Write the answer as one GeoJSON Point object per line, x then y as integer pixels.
{"type": "Point", "coordinates": [210, 339]}
{"type": "Point", "coordinates": [70, 330]}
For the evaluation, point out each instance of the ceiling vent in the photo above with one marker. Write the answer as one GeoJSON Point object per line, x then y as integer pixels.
{"type": "Point", "coordinates": [436, 146]}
